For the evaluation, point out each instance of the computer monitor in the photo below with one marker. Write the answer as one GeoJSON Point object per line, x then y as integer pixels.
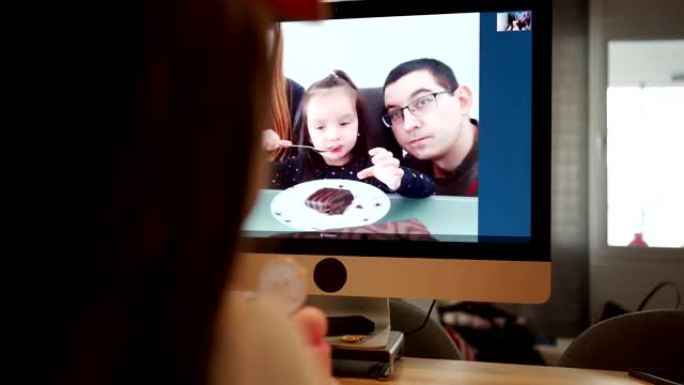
{"type": "Point", "coordinates": [487, 241]}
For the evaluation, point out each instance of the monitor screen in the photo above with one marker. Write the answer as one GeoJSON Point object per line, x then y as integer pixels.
{"type": "Point", "coordinates": [421, 135]}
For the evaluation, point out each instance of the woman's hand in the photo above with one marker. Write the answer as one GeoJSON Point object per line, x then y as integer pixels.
{"type": "Point", "coordinates": [313, 325]}
{"type": "Point", "coordinates": [271, 141]}
{"type": "Point", "coordinates": [385, 168]}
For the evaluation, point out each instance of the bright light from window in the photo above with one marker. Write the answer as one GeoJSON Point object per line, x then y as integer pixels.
{"type": "Point", "coordinates": [645, 155]}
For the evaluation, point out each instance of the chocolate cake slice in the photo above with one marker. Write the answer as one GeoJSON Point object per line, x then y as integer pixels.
{"type": "Point", "coordinates": [331, 201]}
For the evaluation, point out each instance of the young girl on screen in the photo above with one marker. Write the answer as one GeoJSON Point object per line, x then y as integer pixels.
{"type": "Point", "coordinates": [331, 117]}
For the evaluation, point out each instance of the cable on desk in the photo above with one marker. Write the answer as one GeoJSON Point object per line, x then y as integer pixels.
{"type": "Point", "coordinates": [425, 321]}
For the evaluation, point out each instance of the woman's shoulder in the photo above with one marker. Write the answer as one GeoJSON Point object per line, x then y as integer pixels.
{"type": "Point", "coordinates": [288, 163]}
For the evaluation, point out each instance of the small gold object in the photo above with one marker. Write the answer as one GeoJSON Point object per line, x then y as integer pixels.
{"type": "Point", "coordinates": [352, 338]}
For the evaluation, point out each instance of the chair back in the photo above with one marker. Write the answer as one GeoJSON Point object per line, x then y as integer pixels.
{"type": "Point", "coordinates": [645, 339]}
{"type": "Point", "coordinates": [378, 135]}
{"type": "Point", "coordinates": [430, 342]}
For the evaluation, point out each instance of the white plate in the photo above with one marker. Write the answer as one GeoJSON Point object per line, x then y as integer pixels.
{"type": "Point", "coordinates": [370, 204]}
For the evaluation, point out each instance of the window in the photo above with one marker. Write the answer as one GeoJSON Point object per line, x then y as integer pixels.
{"type": "Point", "coordinates": [645, 161]}
{"type": "Point", "coordinates": [645, 144]}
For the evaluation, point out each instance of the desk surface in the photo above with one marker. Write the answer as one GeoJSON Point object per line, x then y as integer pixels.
{"type": "Point", "coordinates": [420, 371]}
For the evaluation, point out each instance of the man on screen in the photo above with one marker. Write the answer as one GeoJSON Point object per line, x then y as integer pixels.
{"type": "Point", "coordinates": [428, 113]}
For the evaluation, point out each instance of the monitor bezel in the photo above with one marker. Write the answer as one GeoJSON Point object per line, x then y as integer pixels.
{"type": "Point", "coordinates": [536, 247]}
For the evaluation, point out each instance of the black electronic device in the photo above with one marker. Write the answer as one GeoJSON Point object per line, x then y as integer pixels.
{"type": "Point", "coordinates": [372, 363]}
{"type": "Point", "coordinates": [355, 324]}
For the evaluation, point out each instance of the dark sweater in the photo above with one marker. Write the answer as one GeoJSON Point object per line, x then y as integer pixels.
{"type": "Point", "coordinates": [463, 181]}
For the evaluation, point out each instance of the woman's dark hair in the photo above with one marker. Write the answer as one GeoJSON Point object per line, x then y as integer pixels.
{"type": "Point", "coordinates": [312, 160]}
{"type": "Point", "coordinates": [127, 182]}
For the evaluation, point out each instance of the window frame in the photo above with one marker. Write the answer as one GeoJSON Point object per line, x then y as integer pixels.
{"type": "Point", "coordinates": [622, 274]}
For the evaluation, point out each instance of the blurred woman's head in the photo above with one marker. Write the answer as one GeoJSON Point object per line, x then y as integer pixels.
{"type": "Point", "coordinates": [129, 179]}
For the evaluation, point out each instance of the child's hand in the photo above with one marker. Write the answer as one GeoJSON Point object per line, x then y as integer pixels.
{"type": "Point", "coordinates": [271, 141]}
{"type": "Point", "coordinates": [385, 168]}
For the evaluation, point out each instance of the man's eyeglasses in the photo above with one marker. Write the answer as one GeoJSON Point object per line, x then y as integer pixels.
{"type": "Point", "coordinates": [418, 107]}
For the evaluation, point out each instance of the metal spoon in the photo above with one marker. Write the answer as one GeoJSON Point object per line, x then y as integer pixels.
{"type": "Point", "coordinates": [308, 147]}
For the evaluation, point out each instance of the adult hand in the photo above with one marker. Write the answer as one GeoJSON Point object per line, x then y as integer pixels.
{"type": "Point", "coordinates": [313, 325]}
{"type": "Point", "coordinates": [385, 168]}
{"type": "Point", "coordinates": [271, 141]}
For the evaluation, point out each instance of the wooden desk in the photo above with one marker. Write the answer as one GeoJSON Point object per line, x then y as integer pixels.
{"type": "Point", "coordinates": [420, 371]}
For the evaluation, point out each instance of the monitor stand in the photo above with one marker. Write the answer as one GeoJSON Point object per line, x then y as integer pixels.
{"type": "Point", "coordinates": [374, 355]}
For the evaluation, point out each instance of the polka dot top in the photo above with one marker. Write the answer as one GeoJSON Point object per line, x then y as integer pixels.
{"type": "Point", "coordinates": [293, 170]}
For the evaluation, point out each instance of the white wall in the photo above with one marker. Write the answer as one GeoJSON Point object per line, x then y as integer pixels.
{"type": "Point", "coordinates": [367, 49]}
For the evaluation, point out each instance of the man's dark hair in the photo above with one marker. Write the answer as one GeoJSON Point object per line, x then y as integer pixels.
{"type": "Point", "coordinates": [442, 73]}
